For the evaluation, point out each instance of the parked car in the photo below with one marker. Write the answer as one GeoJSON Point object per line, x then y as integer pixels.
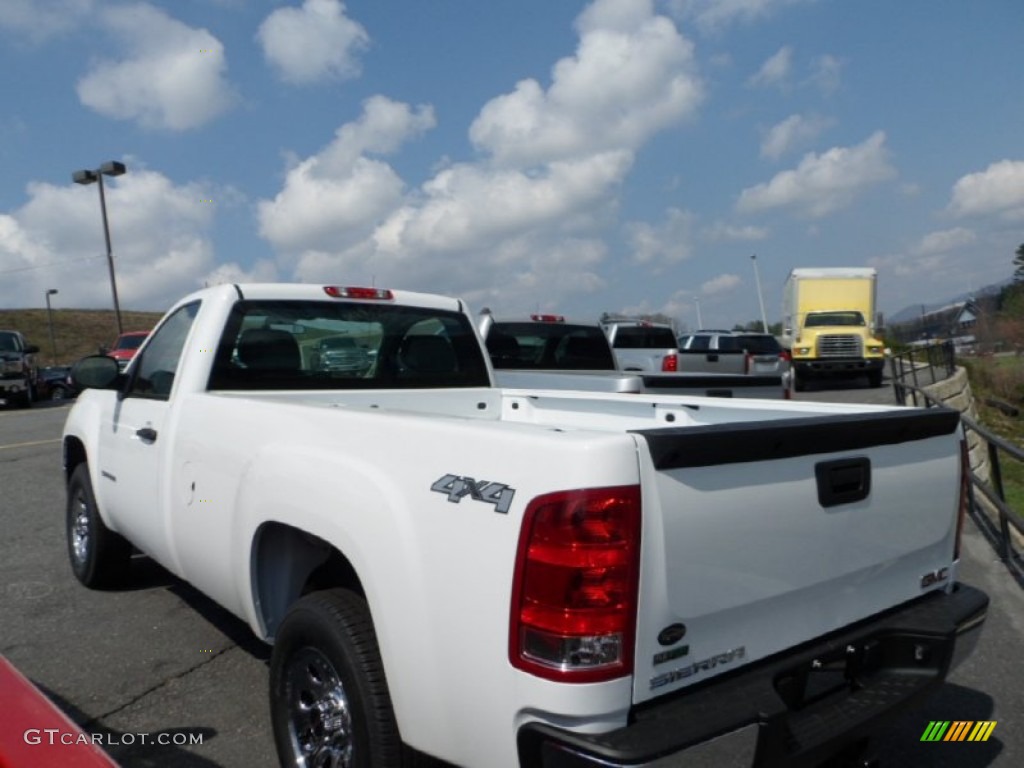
{"type": "Point", "coordinates": [54, 383]}
{"type": "Point", "coordinates": [17, 369]}
{"type": "Point", "coordinates": [341, 354]}
{"type": "Point", "coordinates": [643, 346]}
{"type": "Point", "coordinates": [125, 347]}
{"type": "Point", "coordinates": [764, 353]}
{"type": "Point", "coordinates": [761, 352]}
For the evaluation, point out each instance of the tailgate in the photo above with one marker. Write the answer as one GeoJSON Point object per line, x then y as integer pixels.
{"type": "Point", "coordinates": [761, 536]}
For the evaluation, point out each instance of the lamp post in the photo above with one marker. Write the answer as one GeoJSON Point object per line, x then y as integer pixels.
{"type": "Point", "coordinates": [113, 168]}
{"type": "Point", "coordinates": [49, 321]}
{"type": "Point", "coordinates": [760, 298]}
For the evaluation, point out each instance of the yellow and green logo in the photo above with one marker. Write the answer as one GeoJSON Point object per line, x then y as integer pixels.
{"type": "Point", "coordinates": [958, 730]}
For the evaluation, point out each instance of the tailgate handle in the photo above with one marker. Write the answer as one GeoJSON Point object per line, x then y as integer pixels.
{"type": "Point", "coordinates": [843, 481]}
{"type": "Point", "coordinates": [712, 358]}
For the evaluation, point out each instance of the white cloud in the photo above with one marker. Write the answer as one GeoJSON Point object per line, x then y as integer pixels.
{"type": "Point", "coordinates": [37, 21]}
{"type": "Point", "coordinates": [159, 233]}
{"type": "Point", "coordinates": [944, 241]}
{"type": "Point", "coordinates": [775, 71]}
{"type": "Point", "coordinates": [520, 226]}
{"type": "Point", "coordinates": [723, 231]}
{"type": "Point", "coordinates": [720, 284]}
{"type": "Point", "coordinates": [826, 74]}
{"type": "Point", "coordinates": [262, 271]}
{"type": "Point", "coordinates": [334, 198]}
{"type": "Point", "coordinates": [712, 15]}
{"type": "Point", "coordinates": [792, 132]}
{"type": "Point", "coordinates": [667, 243]}
{"type": "Point", "coordinates": [998, 190]}
{"type": "Point", "coordinates": [172, 76]}
{"type": "Point", "coordinates": [314, 42]}
{"type": "Point", "coordinates": [824, 183]}
{"type": "Point", "coordinates": [632, 76]}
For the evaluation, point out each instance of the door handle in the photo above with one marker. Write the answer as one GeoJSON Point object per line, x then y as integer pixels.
{"type": "Point", "coordinates": [146, 434]}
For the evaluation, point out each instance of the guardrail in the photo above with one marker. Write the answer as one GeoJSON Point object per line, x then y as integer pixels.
{"type": "Point", "coordinates": [936, 362]}
{"type": "Point", "coordinates": [931, 362]}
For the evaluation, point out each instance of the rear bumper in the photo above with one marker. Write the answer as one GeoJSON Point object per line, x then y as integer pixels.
{"type": "Point", "coordinates": [824, 366]}
{"type": "Point", "coordinates": [794, 709]}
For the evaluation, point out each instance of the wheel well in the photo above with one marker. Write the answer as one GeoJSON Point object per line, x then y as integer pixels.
{"type": "Point", "coordinates": [288, 563]}
{"type": "Point", "coordinates": [74, 454]}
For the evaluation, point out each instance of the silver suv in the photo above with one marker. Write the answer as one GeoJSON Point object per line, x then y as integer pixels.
{"type": "Point", "coordinates": [341, 354]}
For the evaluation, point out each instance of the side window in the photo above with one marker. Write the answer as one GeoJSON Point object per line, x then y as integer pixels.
{"type": "Point", "coordinates": [158, 363]}
{"type": "Point", "coordinates": [701, 343]}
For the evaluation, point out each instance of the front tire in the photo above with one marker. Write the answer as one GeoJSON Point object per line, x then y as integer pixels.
{"type": "Point", "coordinates": [329, 700]}
{"type": "Point", "coordinates": [99, 557]}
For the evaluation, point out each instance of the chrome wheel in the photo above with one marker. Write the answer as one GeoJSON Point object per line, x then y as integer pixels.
{"type": "Point", "coordinates": [319, 718]}
{"type": "Point", "coordinates": [80, 529]}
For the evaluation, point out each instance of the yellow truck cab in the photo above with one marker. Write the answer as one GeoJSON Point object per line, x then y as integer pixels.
{"type": "Point", "coordinates": [829, 324]}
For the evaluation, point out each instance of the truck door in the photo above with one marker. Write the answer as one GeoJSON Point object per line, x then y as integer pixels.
{"type": "Point", "coordinates": [134, 445]}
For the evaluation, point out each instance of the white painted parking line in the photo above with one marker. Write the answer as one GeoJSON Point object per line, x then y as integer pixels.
{"type": "Point", "coordinates": [30, 443]}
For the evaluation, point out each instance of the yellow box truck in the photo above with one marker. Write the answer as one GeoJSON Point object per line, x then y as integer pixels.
{"type": "Point", "coordinates": [828, 318]}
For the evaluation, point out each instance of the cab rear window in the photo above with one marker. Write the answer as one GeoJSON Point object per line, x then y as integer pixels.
{"type": "Point", "coordinates": [283, 345]}
{"type": "Point", "coordinates": [644, 337]}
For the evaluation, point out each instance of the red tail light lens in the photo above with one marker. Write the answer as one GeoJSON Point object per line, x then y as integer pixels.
{"type": "Point", "coordinates": [344, 292]}
{"type": "Point", "coordinates": [574, 596]}
{"type": "Point", "coordinates": [548, 318]}
{"type": "Point", "coordinates": [670, 363]}
{"type": "Point", "coordinates": [965, 495]}
{"type": "Point", "coordinates": [786, 355]}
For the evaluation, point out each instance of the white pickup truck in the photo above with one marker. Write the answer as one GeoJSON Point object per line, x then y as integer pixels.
{"type": "Point", "coordinates": [544, 351]}
{"type": "Point", "coordinates": [498, 577]}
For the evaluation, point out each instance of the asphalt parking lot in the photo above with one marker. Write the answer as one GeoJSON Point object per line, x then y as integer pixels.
{"type": "Point", "coordinates": [159, 658]}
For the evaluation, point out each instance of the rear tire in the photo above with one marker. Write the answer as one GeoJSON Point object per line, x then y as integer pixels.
{"type": "Point", "coordinates": [329, 700]}
{"type": "Point", "coordinates": [99, 557]}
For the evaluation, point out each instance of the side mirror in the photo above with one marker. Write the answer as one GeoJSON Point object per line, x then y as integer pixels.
{"type": "Point", "coordinates": [95, 372]}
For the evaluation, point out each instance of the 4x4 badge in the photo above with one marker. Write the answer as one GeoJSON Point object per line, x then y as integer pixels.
{"type": "Point", "coordinates": [455, 487]}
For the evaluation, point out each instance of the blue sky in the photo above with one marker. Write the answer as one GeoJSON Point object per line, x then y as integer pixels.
{"type": "Point", "coordinates": [578, 157]}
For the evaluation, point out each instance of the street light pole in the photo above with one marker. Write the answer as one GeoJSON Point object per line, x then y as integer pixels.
{"type": "Point", "coordinates": [112, 168]}
{"type": "Point", "coordinates": [49, 321]}
{"type": "Point", "coordinates": [760, 298]}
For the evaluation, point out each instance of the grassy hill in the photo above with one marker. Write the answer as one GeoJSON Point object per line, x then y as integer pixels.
{"type": "Point", "coordinates": [78, 332]}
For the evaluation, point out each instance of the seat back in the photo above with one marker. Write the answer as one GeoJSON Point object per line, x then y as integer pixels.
{"type": "Point", "coordinates": [267, 349]}
{"type": "Point", "coordinates": [426, 355]}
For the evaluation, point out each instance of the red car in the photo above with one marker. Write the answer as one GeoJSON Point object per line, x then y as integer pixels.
{"type": "Point", "coordinates": [35, 734]}
{"type": "Point", "coordinates": [125, 347]}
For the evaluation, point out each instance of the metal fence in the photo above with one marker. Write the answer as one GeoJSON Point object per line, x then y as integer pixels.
{"type": "Point", "coordinates": [930, 365]}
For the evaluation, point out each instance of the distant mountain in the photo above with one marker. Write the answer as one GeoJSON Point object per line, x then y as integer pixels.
{"type": "Point", "coordinates": [914, 311]}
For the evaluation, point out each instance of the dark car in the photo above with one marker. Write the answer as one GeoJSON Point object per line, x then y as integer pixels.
{"type": "Point", "coordinates": [54, 383]}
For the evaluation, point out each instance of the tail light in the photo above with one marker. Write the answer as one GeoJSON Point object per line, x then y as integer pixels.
{"type": "Point", "coordinates": [965, 495]}
{"type": "Point", "coordinates": [548, 318]}
{"type": "Point", "coordinates": [786, 355]}
{"type": "Point", "coordinates": [574, 595]}
{"type": "Point", "coordinates": [670, 363]}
